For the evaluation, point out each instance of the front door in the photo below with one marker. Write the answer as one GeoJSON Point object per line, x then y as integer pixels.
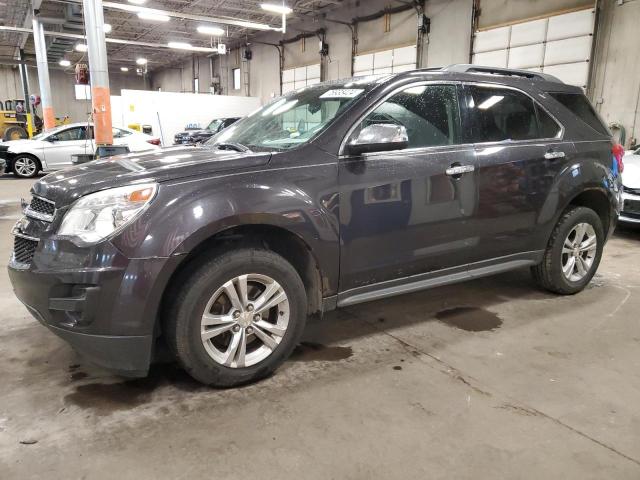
{"type": "Point", "coordinates": [63, 145]}
{"type": "Point", "coordinates": [406, 212]}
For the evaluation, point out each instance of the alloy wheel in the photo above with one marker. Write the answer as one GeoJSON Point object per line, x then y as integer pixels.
{"type": "Point", "coordinates": [579, 252]}
{"type": "Point", "coordinates": [25, 166]}
{"type": "Point", "coordinates": [245, 320]}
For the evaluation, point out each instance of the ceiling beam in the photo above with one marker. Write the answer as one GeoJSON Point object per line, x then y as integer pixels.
{"type": "Point", "coordinates": [108, 40]}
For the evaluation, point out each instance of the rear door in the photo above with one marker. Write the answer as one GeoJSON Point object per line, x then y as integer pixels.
{"type": "Point", "coordinates": [519, 150]}
{"type": "Point", "coordinates": [405, 212]}
{"type": "Point", "coordinates": [68, 142]}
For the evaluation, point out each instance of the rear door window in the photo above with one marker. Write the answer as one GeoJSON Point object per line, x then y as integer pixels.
{"type": "Point", "coordinates": [580, 106]}
{"type": "Point", "coordinates": [501, 114]}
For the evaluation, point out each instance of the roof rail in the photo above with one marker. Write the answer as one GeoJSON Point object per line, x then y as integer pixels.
{"type": "Point", "coordinates": [510, 72]}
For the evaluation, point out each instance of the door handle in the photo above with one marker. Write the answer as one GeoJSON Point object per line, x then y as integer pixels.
{"type": "Point", "coordinates": [457, 170]}
{"type": "Point", "coordinates": [553, 154]}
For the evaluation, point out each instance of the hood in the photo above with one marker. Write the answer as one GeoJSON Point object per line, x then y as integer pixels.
{"type": "Point", "coordinates": [631, 173]}
{"type": "Point", "coordinates": [19, 145]}
{"type": "Point", "coordinates": [64, 186]}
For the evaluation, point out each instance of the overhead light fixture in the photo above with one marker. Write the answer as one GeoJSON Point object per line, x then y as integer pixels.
{"type": "Point", "coordinates": [257, 26]}
{"type": "Point", "coordinates": [107, 28]}
{"type": "Point", "coordinates": [207, 30]}
{"type": "Point", "coordinates": [141, 61]}
{"type": "Point", "coordinates": [138, 2]}
{"type": "Point", "coordinates": [124, 69]}
{"type": "Point", "coordinates": [64, 63]}
{"type": "Point", "coordinates": [180, 45]}
{"type": "Point", "coordinates": [281, 9]}
{"type": "Point", "coordinates": [81, 47]}
{"type": "Point", "coordinates": [154, 17]}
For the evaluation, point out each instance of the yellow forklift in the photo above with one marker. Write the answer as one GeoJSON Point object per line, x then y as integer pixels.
{"type": "Point", "coordinates": [17, 124]}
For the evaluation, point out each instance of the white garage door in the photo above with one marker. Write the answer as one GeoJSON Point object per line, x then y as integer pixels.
{"type": "Point", "coordinates": [559, 45]}
{"type": "Point", "coordinates": [294, 78]}
{"type": "Point", "coordinates": [387, 61]}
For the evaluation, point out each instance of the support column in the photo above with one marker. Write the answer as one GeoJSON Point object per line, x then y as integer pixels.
{"type": "Point", "coordinates": [25, 82]}
{"type": "Point", "coordinates": [43, 74]}
{"type": "Point", "coordinates": [99, 71]}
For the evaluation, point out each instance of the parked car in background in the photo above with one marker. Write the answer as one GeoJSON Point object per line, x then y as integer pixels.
{"type": "Point", "coordinates": [54, 149]}
{"type": "Point", "coordinates": [336, 194]}
{"type": "Point", "coordinates": [194, 137]}
{"type": "Point", "coordinates": [630, 213]}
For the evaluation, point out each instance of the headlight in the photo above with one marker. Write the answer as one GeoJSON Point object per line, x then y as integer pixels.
{"type": "Point", "coordinates": [98, 215]}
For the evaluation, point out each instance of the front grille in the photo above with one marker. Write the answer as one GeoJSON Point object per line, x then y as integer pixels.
{"type": "Point", "coordinates": [42, 206]}
{"type": "Point", "coordinates": [23, 249]}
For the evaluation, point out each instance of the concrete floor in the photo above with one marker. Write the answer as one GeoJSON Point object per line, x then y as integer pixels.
{"type": "Point", "coordinates": [487, 379]}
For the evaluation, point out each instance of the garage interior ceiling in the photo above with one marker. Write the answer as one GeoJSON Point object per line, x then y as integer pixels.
{"type": "Point", "coordinates": [65, 16]}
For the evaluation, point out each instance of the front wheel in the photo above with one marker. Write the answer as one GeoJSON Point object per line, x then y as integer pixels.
{"type": "Point", "coordinates": [25, 166]}
{"type": "Point", "coordinates": [237, 317]}
{"type": "Point", "coordinates": [573, 253]}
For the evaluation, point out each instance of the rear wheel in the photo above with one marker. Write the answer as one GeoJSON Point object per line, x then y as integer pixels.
{"type": "Point", "coordinates": [237, 317]}
{"type": "Point", "coordinates": [573, 253]}
{"type": "Point", "coordinates": [25, 166]}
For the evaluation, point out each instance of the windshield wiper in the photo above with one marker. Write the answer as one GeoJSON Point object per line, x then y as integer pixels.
{"type": "Point", "coordinates": [238, 147]}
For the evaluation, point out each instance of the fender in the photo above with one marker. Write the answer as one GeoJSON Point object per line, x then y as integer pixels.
{"type": "Point", "coordinates": [188, 212]}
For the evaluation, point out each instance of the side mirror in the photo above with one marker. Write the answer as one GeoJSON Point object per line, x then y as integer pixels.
{"type": "Point", "coordinates": [380, 137]}
{"type": "Point", "coordinates": [52, 138]}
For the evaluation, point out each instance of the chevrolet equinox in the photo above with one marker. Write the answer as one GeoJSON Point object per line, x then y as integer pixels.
{"type": "Point", "coordinates": [332, 195]}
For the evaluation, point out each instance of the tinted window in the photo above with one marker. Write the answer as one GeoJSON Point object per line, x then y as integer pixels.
{"type": "Point", "coordinates": [549, 128]}
{"type": "Point", "coordinates": [118, 133]}
{"type": "Point", "coordinates": [580, 107]}
{"type": "Point", "coordinates": [430, 114]}
{"type": "Point", "coordinates": [501, 114]}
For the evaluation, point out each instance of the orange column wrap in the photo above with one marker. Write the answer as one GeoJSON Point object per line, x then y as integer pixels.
{"type": "Point", "coordinates": [101, 100]}
{"type": "Point", "coordinates": [49, 118]}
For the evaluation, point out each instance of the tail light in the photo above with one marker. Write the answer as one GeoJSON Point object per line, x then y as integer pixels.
{"type": "Point", "coordinates": [154, 141]}
{"type": "Point", "coordinates": [618, 152]}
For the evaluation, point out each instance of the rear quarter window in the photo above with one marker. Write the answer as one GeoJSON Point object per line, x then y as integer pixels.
{"type": "Point", "coordinates": [580, 106]}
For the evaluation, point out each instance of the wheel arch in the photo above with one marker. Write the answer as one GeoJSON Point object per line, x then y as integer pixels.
{"type": "Point", "coordinates": [277, 239]}
{"type": "Point", "coordinates": [14, 156]}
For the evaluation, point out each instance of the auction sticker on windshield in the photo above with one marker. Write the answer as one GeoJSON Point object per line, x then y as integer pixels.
{"type": "Point", "coordinates": [342, 93]}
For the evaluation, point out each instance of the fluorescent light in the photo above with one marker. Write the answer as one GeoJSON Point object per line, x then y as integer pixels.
{"type": "Point", "coordinates": [490, 102]}
{"type": "Point", "coordinates": [207, 30]}
{"type": "Point", "coordinates": [282, 9]}
{"type": "Point", "coordinates": [138, 2]}
{"type": "Point", "coordinates": [64, 63]}
{"type": "Point", "coordinates": [257, 26]}
{"type": "Point", "coordinates": [81, 47]}
{"type": "Point", "coordinates": [124, 69]}
{"type": "Point", "coordinates": [180, 45]}
{"type": "Point", "coordinates": [107, 28]}
{"type": "Point", "coordinates": [141, 61]}
{"type": "Point", "coordinates": [155, 17]}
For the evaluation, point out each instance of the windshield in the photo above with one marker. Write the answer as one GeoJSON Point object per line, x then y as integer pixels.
{"type": "Point", "coordinates": [42, 135]}
{"type": "Point", "coordinates": [292, 120]}
{"type": "Point", "coordinates": [214, 125]}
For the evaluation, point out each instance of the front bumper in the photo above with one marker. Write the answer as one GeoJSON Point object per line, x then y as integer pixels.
{"type": "Point", "coordinates": [630, 212]}
{"type": "Point", "coordinates": [102, 303]}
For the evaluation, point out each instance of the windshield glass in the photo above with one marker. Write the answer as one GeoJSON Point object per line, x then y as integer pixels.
{"type": "Point", "coordinates": [214, 125]}
{"type": "Point", "coordinates": [292, 120]}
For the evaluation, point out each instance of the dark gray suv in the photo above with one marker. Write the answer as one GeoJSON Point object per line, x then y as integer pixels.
{"type": "Point", "coordinates": [336, 194]}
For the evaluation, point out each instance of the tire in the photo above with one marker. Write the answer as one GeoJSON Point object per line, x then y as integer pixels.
{"type": "Point", "coordinates": [563, 244]}
{"type": "Point", "coordinates": [25, 166]}
{"type": "Point", "coordinates": [203, 291]}
{"type": "Point", "coordinates": [15, 133]}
